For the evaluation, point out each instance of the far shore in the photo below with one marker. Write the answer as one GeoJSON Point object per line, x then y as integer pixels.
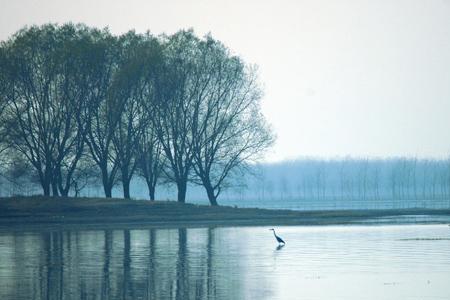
{"type": "Point", "coordinates": [40, 213]}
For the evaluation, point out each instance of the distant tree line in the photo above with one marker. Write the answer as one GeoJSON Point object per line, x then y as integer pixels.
{"type": "Point", "coordinates": [78, 105]}
{"type": "Point", "coordinates": [343, 180]}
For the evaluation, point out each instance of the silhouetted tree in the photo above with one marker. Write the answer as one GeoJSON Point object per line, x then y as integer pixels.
{"type": "Point", "coordinates": [177, 86]}
{"type": "Point", "coordinates": [150, 160]}
{"type": "Point", "coordinates": [129, 99]}
{"type": "Point", "coordinates": [228, 128]}
{"type": "Point", "coordinates": [47, 103]}
{"type": "Point", "coordinates": [106, 110]}
{"type": "Point", "coordinates": [6, 94]}
{"type": "Point", "coordinates": [134, 86]}
{"type": "Point", "coordinates": [86, 175]}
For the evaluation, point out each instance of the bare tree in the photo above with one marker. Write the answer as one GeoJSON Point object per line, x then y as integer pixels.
{"type": "Point", "coordinates": [229, 130]}
{"type": "Point", "coordinates": [342, 181]}
{"type": "Point", "coordinates": [177, 86]}
{"type": "Point", "coordinates": [447, 180]}
{"type": "Point", "coordinates": [6, 94]}
{"type": "Point", "coordinates": [86, 176]}
{"type": "Point", "coordinates": [393, 177]}
{"type": "Point", "coordinates": [6, 90]}
{"type": "Point", "coordinates": [29, 113]}
{"type": "Point", "coordinates": [125, 144]}
{"type": "Point", "coordinates": [376, 181]}
{"type": "Point", "coordinates": [133, 85]}
{"type": "Point", "coordinates": [106, 110]}
{"type": "Point", "coordinates": [44, 114]}
{"type": "Point", "coordinates": [77, 72]}
{"type": "Point", "coordinates": [70, 86]}
{"type": "Point", "coordinates": [362, 179]}
{"type": "Point", "coordinates": [150, 160]}
{"type": "Point", "coordinates": [125, 91]}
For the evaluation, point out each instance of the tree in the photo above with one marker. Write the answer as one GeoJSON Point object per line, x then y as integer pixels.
{"type": "Point", "coordinates": [86, 175]}
{"type": "Point", "coordinates": [106, 110]}
{"type": "Point", "coordinates": [177, 85]}
{"type": "Point", "coordinates": [47, 101]}
{"type": "Point", "coordinates": [132, 85]}
{"type": "Point", "coordinates": [78, 73]}
{"type": "Point", "coordinates": [228, 128]}
{"type": "Point", "coordinates": [16, 173]}
{"type": "Point", "coordinates": [6, 89]}
{"type": "Point", "coordinates": [177, 105]}
{"type": "Point", "coordinates": [28, 122]}
{"type": "Point", "coordinates": [5, 96]}
{"type": "Point", "coordinates": [150, 160]}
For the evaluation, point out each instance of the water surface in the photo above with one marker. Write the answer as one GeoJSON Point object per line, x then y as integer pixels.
{"type": "Point", "coordinates": [318, 262]}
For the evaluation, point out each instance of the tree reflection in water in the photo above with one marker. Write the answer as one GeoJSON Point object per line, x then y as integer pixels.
{"type": "Point", "coordinates": [226, 263]}
{"type": "Point", "coordinates": [119, 264]}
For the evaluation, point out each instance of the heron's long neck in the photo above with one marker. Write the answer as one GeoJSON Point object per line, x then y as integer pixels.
{"type": "Point", "coordinates": [274, 233]}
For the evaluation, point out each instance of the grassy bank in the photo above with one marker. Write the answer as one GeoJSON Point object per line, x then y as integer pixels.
{"type": "Point", "coordinates": [100, 212]}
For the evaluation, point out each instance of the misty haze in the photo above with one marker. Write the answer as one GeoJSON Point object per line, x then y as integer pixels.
{"type": "Point", "coordinates": [224, 150]}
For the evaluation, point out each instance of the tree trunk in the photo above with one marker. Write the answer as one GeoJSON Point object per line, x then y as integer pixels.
{"type": "Point", "coordinates": [64, 192]}
{"type": "Point", "coordinates": [45, 179]}
{"type": "Point", "coordinates": [107, 188]}
{"type": "Point", "coordinates": [211, 196]}
{"type": "Point", "coordinates": [108, 191]}
{"type": "Point", "coordinates": [151, 192]}
{"type": "Point", "coordinates": [126, 183]}
{"type": "Point", "coordinates": [54, 189]}
{"type": "Point", "coordinates": [182, 187]}
{"type": "Point", "coordinates": [46, 188]}
{"type": "Point", "coordinates": [126, 188]}
{"type": "Point", "coordinates": [151, 185]}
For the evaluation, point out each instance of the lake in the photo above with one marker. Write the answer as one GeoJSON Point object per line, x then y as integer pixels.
{"type": "Point", "coordinates": [318, 262]}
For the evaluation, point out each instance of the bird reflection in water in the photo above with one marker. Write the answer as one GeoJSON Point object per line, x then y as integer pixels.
{"type": "Point", "coordinates": [279, 247]}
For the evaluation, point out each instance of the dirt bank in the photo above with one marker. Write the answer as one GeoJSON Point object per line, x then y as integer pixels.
{"type": "Point", "coordinates": [39, 211]}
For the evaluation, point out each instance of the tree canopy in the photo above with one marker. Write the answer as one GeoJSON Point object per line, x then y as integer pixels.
{"type": "Point", "coordinates": [177, 107]}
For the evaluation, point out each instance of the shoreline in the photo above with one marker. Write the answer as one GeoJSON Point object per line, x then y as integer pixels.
{"type": "Point", "coordinates": [49, 213]}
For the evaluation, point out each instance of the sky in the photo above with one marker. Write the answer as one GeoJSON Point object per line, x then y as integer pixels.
{"type": "Point", "coordinates": [361, 78]}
